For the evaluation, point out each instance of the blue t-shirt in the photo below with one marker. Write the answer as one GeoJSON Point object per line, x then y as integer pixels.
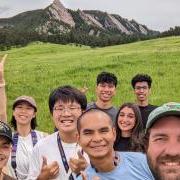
{"type": "Point", "coordinates": [132, 166]}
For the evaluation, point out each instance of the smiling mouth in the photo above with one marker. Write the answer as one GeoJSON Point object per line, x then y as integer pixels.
{"type": "Point", "coordinates": [66, 121]}
{"type": "Point", "coordinates": [125, 125]}
{"type": "Point", "coordinates": [22, 116]}
{"type": "Point", "coordinates": [171, 164]}
{"type": "Point", "coordinates": [98, 147]}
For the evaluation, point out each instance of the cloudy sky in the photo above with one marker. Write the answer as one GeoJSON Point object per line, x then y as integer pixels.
{"type": "Point", "coordinates": [156, 14]}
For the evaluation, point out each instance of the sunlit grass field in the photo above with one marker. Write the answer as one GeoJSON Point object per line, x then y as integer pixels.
{"type": "Point", "coordinates": [38, 68]}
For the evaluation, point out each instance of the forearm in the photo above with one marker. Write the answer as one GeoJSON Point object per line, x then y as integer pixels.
{"type": "Point", "coordinates": [3, 102]}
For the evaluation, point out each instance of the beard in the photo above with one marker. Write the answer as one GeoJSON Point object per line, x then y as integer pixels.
{"type": "Point", "coordinates": [161, 174]}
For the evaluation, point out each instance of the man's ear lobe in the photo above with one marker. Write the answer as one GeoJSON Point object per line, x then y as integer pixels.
{"type": "Point", "coordinates": [114, 132]}
{"type": "Point", "coordinates": [78, 138]}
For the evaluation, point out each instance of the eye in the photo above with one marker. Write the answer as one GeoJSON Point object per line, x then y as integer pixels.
{"type": "Point", "coordinates": [160, 139]}
{"type": "Point", "coordinates": [104, 130]}
{"type": "Point", "coordinates": [87, 132]}
{"type": "Point", "coordinates": [131, 116]}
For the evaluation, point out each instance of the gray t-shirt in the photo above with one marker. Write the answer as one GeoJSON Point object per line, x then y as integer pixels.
{"type": "Point", "coordinates": [112, 111]}
{"type": "Point", "coordinates": [132, 166]}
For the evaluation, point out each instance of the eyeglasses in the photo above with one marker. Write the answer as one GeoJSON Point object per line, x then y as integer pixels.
{"type": "Point", "coordinates": [69, 109]}
{"type": "Point", "coordinates": [138, 88]}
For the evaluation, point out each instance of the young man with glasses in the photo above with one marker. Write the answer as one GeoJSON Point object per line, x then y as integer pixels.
{"type": "Point", "coordinates": [141, 84]}
{"type": "Point", "coordinates": [58, 155]}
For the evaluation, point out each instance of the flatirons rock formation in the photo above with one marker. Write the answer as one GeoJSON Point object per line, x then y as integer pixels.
{"type": "Point", "coordinates": [56, 19]}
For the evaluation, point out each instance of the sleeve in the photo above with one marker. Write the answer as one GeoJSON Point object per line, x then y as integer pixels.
{"type": "Point", "coordinates": [35, 163]}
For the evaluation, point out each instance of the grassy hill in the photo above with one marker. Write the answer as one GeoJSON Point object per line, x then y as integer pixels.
{"type": "Point", "coordinates": [38, 68]}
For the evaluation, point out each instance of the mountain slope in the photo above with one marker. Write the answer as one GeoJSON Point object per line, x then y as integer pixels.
{"type": "Point", "coordinates": [56, 19]}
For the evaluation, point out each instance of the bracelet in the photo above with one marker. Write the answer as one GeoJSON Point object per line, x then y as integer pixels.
{"type": "Point", "coordinates": [2, 85]}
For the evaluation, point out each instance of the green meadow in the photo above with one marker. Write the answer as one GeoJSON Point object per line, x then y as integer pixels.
{"type": "Point", "coordinates": [39, 67]}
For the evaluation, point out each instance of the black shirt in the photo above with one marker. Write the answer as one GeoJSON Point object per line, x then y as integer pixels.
{"type": "Point", "coordinates": [145, 111]}
{"type": "Point", "coordinates": [123, 144]}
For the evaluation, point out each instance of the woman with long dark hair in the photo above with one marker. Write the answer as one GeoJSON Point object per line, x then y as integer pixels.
{"type": "Point", "coordinates": [24, 137]}
{"type": "Point", "coordinates": [129, 129]}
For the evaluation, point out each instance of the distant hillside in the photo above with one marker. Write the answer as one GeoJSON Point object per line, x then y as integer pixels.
{"type": "Point", "coordinates": [73, 26]}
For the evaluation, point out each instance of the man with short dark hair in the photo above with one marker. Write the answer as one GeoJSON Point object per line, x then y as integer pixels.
{"type": "Point", "coordinates": [105, 90]}
{"type": "Point", "coordinates": [96, 136]}
{"type": "Point", "coordinates": [5, 149]}
{"type": "Point", "coordinates": [141, 84]}
{"type": "Point", "coordinates": [163, 142]}
{"type": "Point", "coordinates": [58, 155]}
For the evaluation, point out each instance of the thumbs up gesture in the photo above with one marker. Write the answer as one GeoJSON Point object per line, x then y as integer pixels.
{"type": "Point", "coordinates": [78, 164]}
{"type": "Point", "coordinates": [48, 171]}
{"type": "Point", "coordinates": [85, 177]}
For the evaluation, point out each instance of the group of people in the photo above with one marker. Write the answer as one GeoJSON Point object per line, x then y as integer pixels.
{"type": "Point", "coordinates": [91, 141]}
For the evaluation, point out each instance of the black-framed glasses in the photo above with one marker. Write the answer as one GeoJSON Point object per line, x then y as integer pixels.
{"type": "Point", "coordinates": [69, 109]}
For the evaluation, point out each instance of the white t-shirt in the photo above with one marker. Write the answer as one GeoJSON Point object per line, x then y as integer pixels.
{"type": "Point", "coordinates": [23, 153]}
{"type": "Point", "coordinates": [48, 147]}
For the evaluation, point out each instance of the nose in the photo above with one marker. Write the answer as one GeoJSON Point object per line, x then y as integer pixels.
{"type": "Point", "coordinates": [96, 137]}
{"type": "Point", "coordinates": [66, 112]}
{"type": "Point", "coordinates": [141, 90]}
{"type": "Point", "coordinates": [173, 147]}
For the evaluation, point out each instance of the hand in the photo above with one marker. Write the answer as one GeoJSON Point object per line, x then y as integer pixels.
{"type": "Point", "coordinates": [79, 164]}
{"type": "Point", "coordinates": [84, 90]}
{"type": "Point", "coordinates": [2, 69]}
{"type": "Point", "coordinates": [48, 171]}
{"type": "Point", "coordinates": [84, 176]}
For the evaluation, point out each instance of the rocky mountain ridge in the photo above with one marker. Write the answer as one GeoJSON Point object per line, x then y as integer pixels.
{"type": "Point", "coordinates": [56, 19]}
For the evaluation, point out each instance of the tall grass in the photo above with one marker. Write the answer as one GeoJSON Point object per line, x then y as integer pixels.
{"type": "Point", "coordinates": [38, 68]}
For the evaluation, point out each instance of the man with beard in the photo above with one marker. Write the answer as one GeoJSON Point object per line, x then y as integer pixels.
{"type": "Point", "coordinates": [141, 84]}
{"type": "Point", "coordinates": [106, 83]}
{"type": "Point", "coordinates": [5, 149]}
{"type": "Point", "coordinates": [163, 142]}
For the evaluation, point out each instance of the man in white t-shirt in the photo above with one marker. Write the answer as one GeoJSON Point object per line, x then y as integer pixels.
{"type": "Point", "coordinates": [58, 156]}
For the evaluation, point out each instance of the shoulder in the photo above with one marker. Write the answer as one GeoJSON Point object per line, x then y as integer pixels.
{"type": "Point", "coordinates": [41, 134]}
{"type": "Point", "coordinates": [150, 106]}
{"type": "Point", "coordinates": [135, 159]}
{"type": "Point", "coordinates": [137, 164]}
{"type": "Point", "coordinates": [47, 141]}
{"type": "Point", "coordinates": [132, 155]}
{"type": "Point", "coordinates": [91, 105]}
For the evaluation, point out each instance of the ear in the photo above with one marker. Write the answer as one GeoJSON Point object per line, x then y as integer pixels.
{"type": "Point", "coordinates": [149, 90]}
{"type": "Point", "coordinates": [34, 115]}
{"type": "Point", "coordinates": [114, 133]}
{"type": "Point", "coordinates": [114, 91]}
{"type": "Point", "coordinates": [78, 138]}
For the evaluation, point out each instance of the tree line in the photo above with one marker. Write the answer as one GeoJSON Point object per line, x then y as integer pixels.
{"type": "Point", "coordinates": [10, 37]}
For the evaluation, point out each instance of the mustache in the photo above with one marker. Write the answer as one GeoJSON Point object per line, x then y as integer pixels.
{"type": "Point", "coordinates": [170, 158]}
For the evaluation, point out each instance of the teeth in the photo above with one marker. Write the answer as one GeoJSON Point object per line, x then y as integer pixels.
{"type": "Point", "coordinates": [172, 163]}
{"type": "Point", "coordinates": [66, 121]}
